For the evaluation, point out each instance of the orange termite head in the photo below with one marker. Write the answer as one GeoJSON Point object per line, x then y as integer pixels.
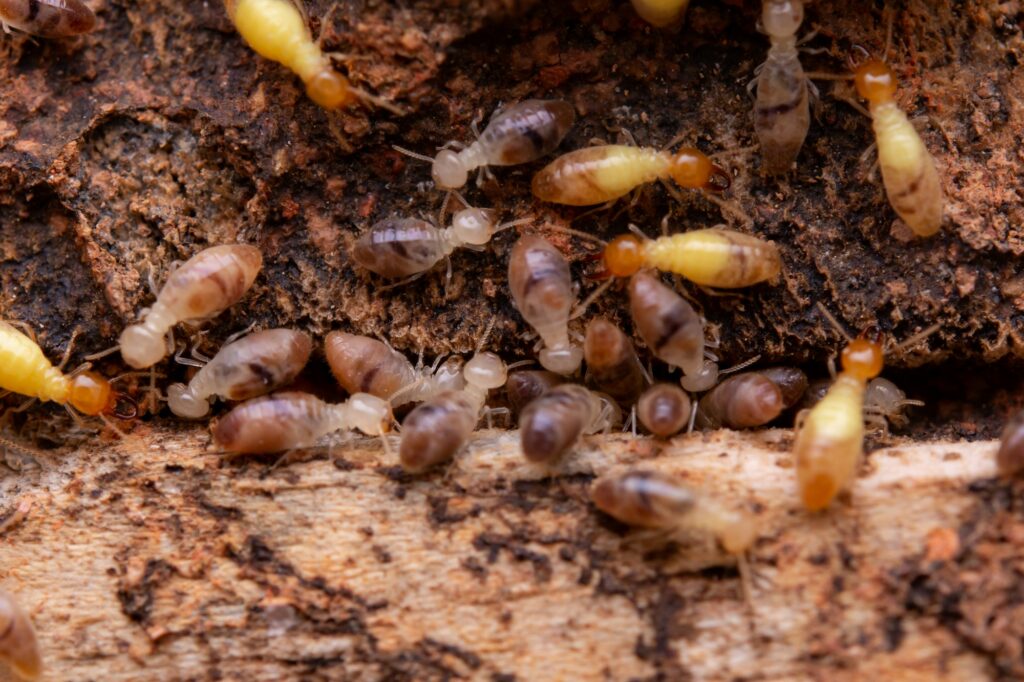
{"type": "Point", "coordinates": [692, 169]}
{"type": "Point", "coordinates": [330, 89]}
{"type": "Point", "coordinates": [91, 394]}
{"type": "Point", "coordinates": [863, 357]}
{"type": "Point", "coordinates": [624, 256]}
{"type": "Point", "coordinates": [875, 81]}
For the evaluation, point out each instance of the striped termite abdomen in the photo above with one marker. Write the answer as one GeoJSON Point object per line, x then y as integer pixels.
{"type": "Point", "coordinates": [48, 18]}
{"type": "Point", "coordinates": [526, 131]}
{"type": "Point", "coordinates": [436, 429]}
{"type": "Point", "coordinates": [400, 247]}
{"type": "Point", "coordinates": [525, 386]}
{"type": "Point", "coordinates": [595, 175]}
{"type": "Point", "coordinates": [204, 285]}
{"type": "Point", "coordinates": [669, 325]}
{"type": "Point", "coordinates": [365, 365]}
{"type": "Point", "coordinates": [740, 402]}
{"type": "Point", "coordinates": [550, 425]}
{"type": "Point", "coordinates": [18, 645]}
{"type": "Point", "coordinates": [1010, 457]}
{"type": "Point", "coordinates": [252, 366]}
{"type": "Point", "coordinates": [612, 364]}
{"type": "Point", "coordinates": [664, 409]}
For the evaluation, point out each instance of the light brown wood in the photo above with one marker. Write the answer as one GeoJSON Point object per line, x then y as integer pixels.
{"type": "Point", "coordinates": [153, 558]}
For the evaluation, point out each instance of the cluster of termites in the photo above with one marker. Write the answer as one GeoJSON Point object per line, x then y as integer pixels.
{"type": "Point", "coordinates": [586, 383]}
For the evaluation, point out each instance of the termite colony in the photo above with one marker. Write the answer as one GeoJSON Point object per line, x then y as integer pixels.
{"type": "Point", "coordinates": [591, 377]}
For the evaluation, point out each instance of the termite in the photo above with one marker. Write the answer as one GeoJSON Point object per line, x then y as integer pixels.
{"type": "Point", "coordinates": [520, 133]}
{"type": "Point", "coordinates": [406, 247]}
{"type": "Point", "coordinates": [525, 386]}
{"type": "Point", "coordinates": [651, 499]}
{"type": "Point", "coordinates": [612, 364]}
{"type": "Point", "coordinates": [1010, 457]}
{"type": "Point", "coordinates": [714, 257]}
{"type": "Point", "coordinates": [278, 30]}
{"type": "Point", "coordinates": [661, 13]}
{"type": "Point", "coordinates": [664, 409]}
{"type": "Point", "coordinates": [792, 383]}
{"type": "Point", "coordinates": [47, 18]}
{"type": "Point", "coordinates": [437, 428]}
{"type": "Point", "coordinates": [18, 645]}
{"type": "Point", "coordinates": [541, 287]}
{"type": "Point", "coordinates": [670, 327]}
{"type": "Point", "coordinates": [601, 174]}
{"type": "Point", "coordinates": [908, 169]}
{"type": "Point", "coordinates": [550, 425]}
{"type": "Point", "coordinates": [291, 419]}
{"type": "Point", "coordinates": [252, 366]}
{"type": "Point", "coordinates": [782, 107]}
{"type": "Point", "coordinates": [743, 401]}
{"type": "Point", "coordinates": [365, 365]}
{"type": "Point", "coordinates": [203, 286]}
{"type": "Point", "coordinates": [25, 370]}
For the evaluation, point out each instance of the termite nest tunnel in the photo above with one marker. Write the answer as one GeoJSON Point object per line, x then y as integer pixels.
{"type": "Point", "coordinates": [197, 141]}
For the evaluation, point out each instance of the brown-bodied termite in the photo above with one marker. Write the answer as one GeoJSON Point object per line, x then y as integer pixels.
{"type": "Point", "coordinates": [551, 424]}
{"type": "Point", "coordinates": [664, 409]}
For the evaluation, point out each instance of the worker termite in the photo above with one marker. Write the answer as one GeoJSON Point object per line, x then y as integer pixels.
{"type": "Point", "coordinates": [525, 386]}
{"type": "Point", "coordinates": [1010, 457]}
{"type": "Point", "coordinates": [650, 499]}
{"type": "Point", "coordinates": [407, 247]}
{"type": "Point", "coordinates": [25, 370]}
{"type": "Point", "coordinates": [203, 286]}
{"type": "Point", "coordinates": [541, 287]}
{"type": "Point", "coordinates": [908, 169]}
{"type": "Point", "coordinates": [47, 18]}
{"type": "Point", "coordinates": [520, 133]}
{"type": "Point", "coordinates": [550, 425]}
{"type": "Point", "coordinates": [661, 13]}
{"type": "Point", "coordinates": [365, 365]}
{"type": "Point", "coordinates": [743, 401]}
{"type": "Point", "coordinates": [437, 428]}
{"type": "Point", "coordinates": [278, 31]}
{"type": "Point", "coordinates": [18, 645]}
{"type": "Point", "coordinates": [252, 366]}
{"type": "Point", "coordinates": [664, 409]}
{"type": "Point", "coordinates": [601, 174]}
{"type": "Point", "coordinates": [612, 364]}
{"type": "Point", "coordinates": [792, 383]}
{"type": "Point", "coordinates": [782, 107]}
{"type": "Point", "coordinates": [291, 419]}
{"type": "Point", "coordinates": [669, 325]}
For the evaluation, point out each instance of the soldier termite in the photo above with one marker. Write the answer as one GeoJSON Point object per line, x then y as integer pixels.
{"type": "Point", "coordinates": [365, 365]}
{"type": "Point", "coordinates": [252, 366]}
{"type": "Point", "coordinates": [525, 386]}
{"type": "Point", "coordinates": [908, 169]}
{"type": "Point", "coordinates": [437, 428]}
{"type": "Point", "coordinates": [278, 30]}
{"type": "Point", "coordinates": [670, 327]}
{"type": "Point", "coordinates": [203, 286]}
{"type": "Point", "coordinates": [291, 419]}
{"type": "Point", "coordinates": [1010, 456]}
{"type": "Point", "coordinates": [749, 399]}
{"type": "Point", "coordinates": [541, 287]}
{"type": "Point", "coordinates": [781, 109]}
{"type": "Point", "coordinates": [25, 370]}
{"type": "Point", "coordinates": [664, 409]}
{"type": "Point", "coordinates": [600, 174]}
{"type": "Point", "coordinates": [47, 18]}
{"type": "Point", "coordinates": [612, 364]}
{"type": "Point", "coordinates": [650, 499]}
{"type": "Point", "coordinates": [18, 645]}
{"type": "Point", "coordinates": [520, 133]}
{"type": "Point", "coordinates": [551, 424]}
{"type": "Point", "coordinates": [661, 13]}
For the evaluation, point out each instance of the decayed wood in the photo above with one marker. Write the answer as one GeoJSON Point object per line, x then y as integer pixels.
{"type": "Point", "coordinates": [154, 558]}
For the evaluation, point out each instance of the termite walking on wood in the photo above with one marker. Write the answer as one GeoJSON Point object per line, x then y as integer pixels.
{"type": "Point", "coordinates": [908, 169]}
{"type": "Point", "coordinates": [291, 419]}
{"type": "Point", "coordinates": [782, 107]}
{"type": "Point", "coordinates": [47, 18]}
{"type": "Point", "coordinates": [18, 646]}
{"type": "Point", "coordinates": [743, 401]}
{"type": "Point", "coordinates": [661, 13]}
{"type": "Point", "coordinates": [550, 425]}
{"type": "Point", "coordinates": [203, 286]}
{"type": "Point", "coordinates": [520, 133]}
{"type": "Point", "coordinates": [252, 366]}
{"type": "Point", "coordinates": [541, 287]}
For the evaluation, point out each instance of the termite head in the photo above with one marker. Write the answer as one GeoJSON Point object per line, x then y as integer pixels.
{"type": "Point", "coordinates": [692, 169]}
{"type": "Point", "coordinates": [370, 414]}
{"type": "Point", "coordinates": [91, 394]}
{"type": "Point", "coordinates": [875, 81]}
{"type": "Point", "coordinates": [782, 18]}
{"type": "Point", "coordinates": [140, 347]}
{"type": "Point", "coordinates": [564, 361]}
{"type": "Point", "coordinates": [863, 357]}
{"type": "Point", "coordinates": [473, 226]}
{"type": "Point", "coordinates": [330, 89]}
{"type": "Point", "coordinates": [486, 370]}
{"type": "Point", "coordinates": [448, 170]}
{"type": "Point", "coordinates": [185, 403]}
{"type": "Point", "coordinates": [624, 256]}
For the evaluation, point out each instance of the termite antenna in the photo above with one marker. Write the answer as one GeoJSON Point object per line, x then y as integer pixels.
{"type": "Point", "coordinates": [412, 154]}
{"type": "Point", "coordinates": [834, 322]}
{"type": "Point", "coordinates": [594, 295]}
{"type": "Point", "coordinates": [918, 337]}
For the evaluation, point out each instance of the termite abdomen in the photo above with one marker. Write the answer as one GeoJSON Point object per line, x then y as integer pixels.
{"type": "Point", "coordinates": [525, 386]}
{"type": "Point", "coordinates": [1010, 458]}
{"type": "Point", "coordinates": [669, 326]}
{"type": "Point", "coordinates": [552, 423]}
{"type": "Point", "coordinates": [741, 402]}
{"type": "Point", "coordinates": [792, 383]}
{"type": "Point", "coordinates": [435, 430]}
{"type": "Point", "coordinates": [612, 363]}
{"type": "Point", "coordinates": [664, 409]}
